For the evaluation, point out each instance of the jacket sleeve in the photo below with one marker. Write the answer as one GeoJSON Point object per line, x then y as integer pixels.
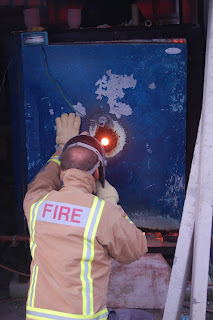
{"type": "Point", "coordinates": [47, 179]}
{"type": "Point", "coordinates": [124, 241]}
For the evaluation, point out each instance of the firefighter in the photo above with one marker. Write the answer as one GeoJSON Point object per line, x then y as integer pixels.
{"type": "Point", "coordinates": [76, 229]}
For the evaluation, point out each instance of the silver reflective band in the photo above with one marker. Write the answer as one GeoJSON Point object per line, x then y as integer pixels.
{"type": "Point", "coordinates": [43, 315]}
{"type": "Point", "coordinates": [89, 256]}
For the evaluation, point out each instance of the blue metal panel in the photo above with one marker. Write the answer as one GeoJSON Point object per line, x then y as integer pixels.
{"type": "Point", "coordinates": [144, 86]}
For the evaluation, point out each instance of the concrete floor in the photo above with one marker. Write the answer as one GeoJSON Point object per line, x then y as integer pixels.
{"type": "Point", "coordinates": [14, 309]}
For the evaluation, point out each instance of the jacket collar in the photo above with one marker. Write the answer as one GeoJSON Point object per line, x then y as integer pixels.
{"type": "Point", "coordinates": [78, 179]}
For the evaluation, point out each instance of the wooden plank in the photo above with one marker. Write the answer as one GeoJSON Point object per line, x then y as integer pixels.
{"type": "Point", "coordinates": [183, 252]}
{"type": "Point", "coordinates": [203, 221]}
{"type": "Point", "coordinates": [197, 208]}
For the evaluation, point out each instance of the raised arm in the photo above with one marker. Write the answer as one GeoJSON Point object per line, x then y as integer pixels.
{"type": "Point", "coordinates": [48, 179]}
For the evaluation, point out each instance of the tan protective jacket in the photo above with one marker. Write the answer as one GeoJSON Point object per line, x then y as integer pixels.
{"type": "Point", "coordinates": [73, 237]}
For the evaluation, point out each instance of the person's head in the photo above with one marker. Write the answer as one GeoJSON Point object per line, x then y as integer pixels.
{"type": "Point", "coordinates": [79, 158]}
{"type": "Point", "coordinates": [85, 153]}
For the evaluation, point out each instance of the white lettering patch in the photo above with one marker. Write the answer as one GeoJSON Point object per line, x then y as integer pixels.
{"type": "Point", "coordinates": [63, 213]}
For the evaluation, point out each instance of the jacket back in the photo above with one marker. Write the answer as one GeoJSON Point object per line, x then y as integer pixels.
{"type": "Point", "coordinates": [74, 236]}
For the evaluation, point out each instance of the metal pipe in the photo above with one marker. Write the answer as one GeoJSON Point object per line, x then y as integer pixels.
{"type": "Point", "coordinates": [14, 239]}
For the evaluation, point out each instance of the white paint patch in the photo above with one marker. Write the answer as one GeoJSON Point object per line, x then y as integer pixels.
{"type": "Point", "coordinates": [119, 130]}
{"type": "Point", "coordinates": [44, 98]}
{"type": "Point", "coordinates": [111, 86]}
{"type": "Point", "coordinates": [151, 185]}
{"type": "Point", "coordinates": [178, 101]}
{"type": "Point", "coordinates": [148, 148]}
{"type": "Point", "coordinates": [62, 108]}
{"type": "Point", "coordinates": [173, 185]}
{"type": "Point", "coordinates": [81, 111]}
{"type": "Point", "coordinates": [51, 112]}
{"type": "Point", "coordinates": [173, 50]}
{"type": "Point", "coordinates": [32, 164]}
{"type": "Point", "coordinates": [55, 128]}
{"type": "Point", "coordinates": [152, 86]}
{"type": "Point", "coordinates": [176, 107]}
{"type": "Point", "coordinates": [154, 221]}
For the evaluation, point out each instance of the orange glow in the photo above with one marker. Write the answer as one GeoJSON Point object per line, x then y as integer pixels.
{"type": "Point", "coordinates": [105, 141]}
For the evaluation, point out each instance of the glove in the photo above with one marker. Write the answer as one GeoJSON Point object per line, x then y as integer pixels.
{"type": "Point", "coordinates": [107, 193]}
{"type": "Point", "coordinates": [67, 126]}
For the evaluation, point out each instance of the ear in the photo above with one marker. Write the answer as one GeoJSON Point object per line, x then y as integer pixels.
{"type": "Point", "coordinates": [96, 174]}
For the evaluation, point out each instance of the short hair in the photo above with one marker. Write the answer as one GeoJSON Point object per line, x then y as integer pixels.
{"type": "Point", "coordinates": [78, 158]}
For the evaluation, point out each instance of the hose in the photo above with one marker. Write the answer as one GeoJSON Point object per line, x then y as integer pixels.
{"type": "Point", "coordinates": [15, 271]}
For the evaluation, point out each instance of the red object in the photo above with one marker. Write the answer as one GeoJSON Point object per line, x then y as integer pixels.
{"type": "Point", "coordinates": [15, 271]}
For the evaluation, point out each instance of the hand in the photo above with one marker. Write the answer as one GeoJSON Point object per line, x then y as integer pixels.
{"type": "Point", "coordinates": [107, 193]}
{"type": "Point", "coordinates": [67, 126]}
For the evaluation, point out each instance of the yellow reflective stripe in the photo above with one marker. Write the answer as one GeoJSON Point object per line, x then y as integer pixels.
{"type": "Point", "coordinates": [38, 313]}
{"type": "Point", "coordinates": [31, 229]}
{"type": "Point", "coordinates": [55, 159]}
{"type": "Point", "coordinates": [130, 221]}
{"type": "Point", "coordinates": [33, 215]}
{"type": "Point", "coordinates": [31, 297]}
{"type": "Point", "coordinates": [92, 254]}
{"type": "Point", "coordinates": [30, 288]}
{"type": "Point", "coordinates": [88, 255]}
{"type": "Point", "coordinates": [84, 297]}
{"type": "Point", "coordinates": [34, 288]}
{"type": "Point", "coordinates": [41, 317]}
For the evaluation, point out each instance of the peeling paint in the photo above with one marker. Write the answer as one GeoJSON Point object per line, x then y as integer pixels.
{"type": "Point", "coordinates": [81, 111]}
{"type": "Point", "coordinates": [149, 150]}
{"type": "Point", "coordinates": [111, 86]}
{"type": "Point", "coordinates": [153, 221]}
{"type": "Point", "coordinates": [151, 185]}
{"type": "Point", "coordinates": [174, 185]}
{"type": "Point", "coordinates": [33, 163]}
{"type": "Point", "coordinates": [176, 107]}
{"type": "Point", "coordinates": [178, 102]}
{"type": "Point", "coordinates": [51, 112]}
{"type": "Point", "coordinates": [152, 86]}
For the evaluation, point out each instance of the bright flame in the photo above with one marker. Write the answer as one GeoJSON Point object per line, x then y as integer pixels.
{"type": "Point", "coordinates": [105, 141]}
